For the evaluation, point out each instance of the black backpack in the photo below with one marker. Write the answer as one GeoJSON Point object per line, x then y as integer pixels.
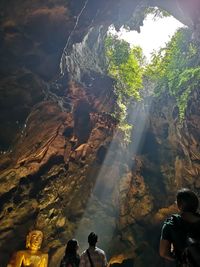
{"type": "Point", "coordinates": [191, 254]}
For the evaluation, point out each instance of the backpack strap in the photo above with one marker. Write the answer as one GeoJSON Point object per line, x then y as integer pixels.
{"type": "Point", "coordinates": [191, 254]}
{"type": "Point", "coordinates": [177, 219]}
{"type": "Point", "coordinates": [91, 262]}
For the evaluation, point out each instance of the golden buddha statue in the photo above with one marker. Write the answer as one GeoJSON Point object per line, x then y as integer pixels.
{"type": "Point", "coordinates": [31, 257]}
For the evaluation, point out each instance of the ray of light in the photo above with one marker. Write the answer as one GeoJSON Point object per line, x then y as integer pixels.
{"type": "Point", "coordinates": [102, 211]}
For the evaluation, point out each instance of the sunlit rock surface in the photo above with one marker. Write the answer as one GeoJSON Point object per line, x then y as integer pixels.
{"type": "Point", "coordinates": [65, 168]}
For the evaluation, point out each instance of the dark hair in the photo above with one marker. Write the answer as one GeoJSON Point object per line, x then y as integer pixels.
{"type": "Point", "coordinates": [71, 248]}
{"type": "Point", "coordinates": [187, 200]}
{"type": "Point", "coordinates": [92, 239]}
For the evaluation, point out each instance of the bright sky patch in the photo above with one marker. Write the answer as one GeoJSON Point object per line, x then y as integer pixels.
{"type": "Point", "coordinates": [155, 33]}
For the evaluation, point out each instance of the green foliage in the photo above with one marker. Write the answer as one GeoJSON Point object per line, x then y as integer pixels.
{"type": "Point", "coordinates": [157, 12]}
{"type": "Point", "coordinates": [117, 51]}
{"type": "Point", "coordinates": [126, 130]}
{"type": "Point", "coordinates": [188, 81]}
{"type": "Point", "coordinates": [176, 68]}
{"type": "Point", "coordinates": [124, 65]}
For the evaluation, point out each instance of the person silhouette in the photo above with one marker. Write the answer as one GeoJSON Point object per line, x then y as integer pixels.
{"type": "Point", "coordinates": [93, 256]}
{"type": "Point", "coordinates": [178, 227]}
{"type": "Point", "coordinates": [71, 257]}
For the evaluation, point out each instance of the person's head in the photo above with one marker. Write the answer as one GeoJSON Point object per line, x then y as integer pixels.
{"type": "Point", "coordinates": [34, 240]}
{"type": "Point", "coordinates": [92, 239]}
{"type": "Point", "coordinates": [187, 200]}
{"type": "Point", "coordinates": [72, 247]}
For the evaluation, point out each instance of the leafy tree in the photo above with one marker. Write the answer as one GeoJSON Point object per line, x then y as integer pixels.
{"type": "Point", "coordinates": [176, 68]}
{"type": "Point", "coordinates": [125, 66]}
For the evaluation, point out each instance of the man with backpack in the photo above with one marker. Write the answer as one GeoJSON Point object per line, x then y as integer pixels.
{"type": "Point", "coordinates": [93, 256]}
{"type": "Point", "coordinates": [180, 235]}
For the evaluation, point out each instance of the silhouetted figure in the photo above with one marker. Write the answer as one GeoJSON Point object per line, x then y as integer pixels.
{"type": "Point", "coordinates": [181, 232]}
{"type": "Point", "coordinates": [71, 257]}
{"type": "Point", "coordinates": [93, 256]}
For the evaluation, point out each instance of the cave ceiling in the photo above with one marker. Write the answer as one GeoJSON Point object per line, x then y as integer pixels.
{"type": "Point", "coordinates": [33, 35]}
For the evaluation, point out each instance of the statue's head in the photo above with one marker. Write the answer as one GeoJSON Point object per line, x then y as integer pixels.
{"type": "Point", "coordinates": [34, 240]}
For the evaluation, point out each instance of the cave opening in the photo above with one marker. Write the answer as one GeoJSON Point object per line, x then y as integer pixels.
{"type": "Point", "coordinates": [156, 30]}
{"type": "Point", "coordinates": [140, 134]}
{"type": "Point", "coordinates": [144, 143]}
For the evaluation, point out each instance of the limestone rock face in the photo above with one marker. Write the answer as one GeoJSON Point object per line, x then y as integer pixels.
{"type": "Point", "coordinates": [181, 140]}
{"type": "Point", "coordinates": [32, 36]}
{"type": "Point", "coordinates": [64, 166]}
{"type": "Point", "coordinates": [53, 164]}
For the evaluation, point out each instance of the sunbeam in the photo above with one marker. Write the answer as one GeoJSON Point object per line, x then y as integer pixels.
{"type": "Point", "coordinates": [104, 203]}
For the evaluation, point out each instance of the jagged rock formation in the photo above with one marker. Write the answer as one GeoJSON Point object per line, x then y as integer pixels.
{"type": "Point", "coordinates": [64, 165]}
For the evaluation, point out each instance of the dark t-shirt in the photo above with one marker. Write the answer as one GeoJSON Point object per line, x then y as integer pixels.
{"type": "Point", "coordinates": [176, 231]}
